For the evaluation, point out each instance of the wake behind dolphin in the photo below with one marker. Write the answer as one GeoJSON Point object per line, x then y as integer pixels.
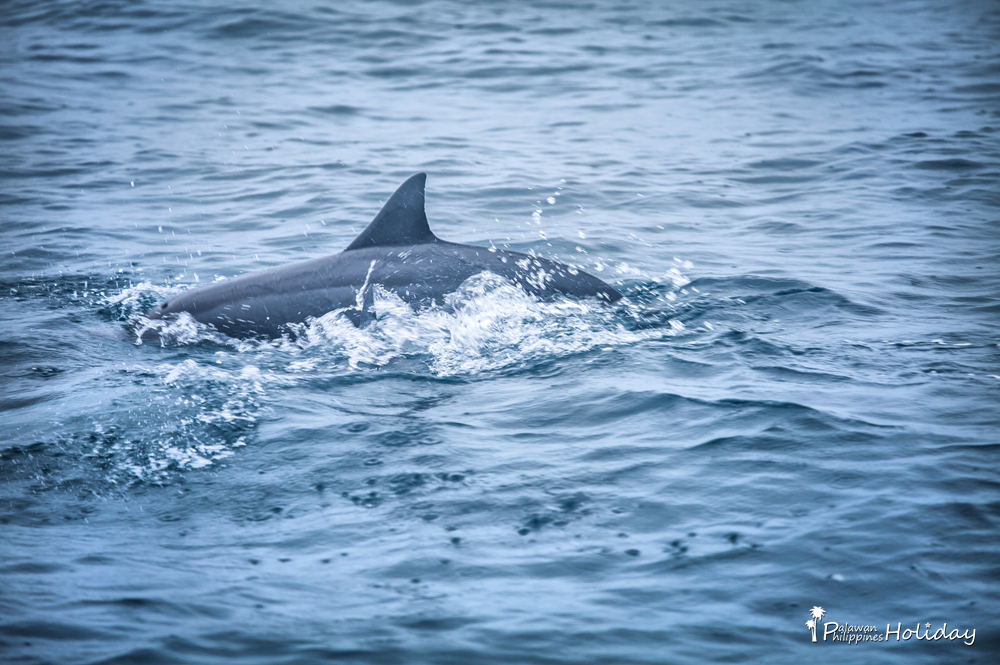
{"type": "Point", "coordinates": [398, 251]}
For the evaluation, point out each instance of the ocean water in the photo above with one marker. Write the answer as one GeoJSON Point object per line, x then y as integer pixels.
{"type": "Point", "coordinates": [795, 406]}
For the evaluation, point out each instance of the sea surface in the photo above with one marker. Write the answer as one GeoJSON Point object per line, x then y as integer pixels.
{"type": "Point", "coordinates": [796, 405]}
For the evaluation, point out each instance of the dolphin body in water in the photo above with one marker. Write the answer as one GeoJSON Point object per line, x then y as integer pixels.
{"type": "Point", "coordinates": [398, 251]}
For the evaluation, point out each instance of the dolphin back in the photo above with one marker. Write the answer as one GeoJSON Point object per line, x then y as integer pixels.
{"type": "Point", "coordinates": [398, 251]}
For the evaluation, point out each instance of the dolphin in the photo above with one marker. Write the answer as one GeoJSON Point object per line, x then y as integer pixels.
{"type": "Point", "coordinates": [398, 251]}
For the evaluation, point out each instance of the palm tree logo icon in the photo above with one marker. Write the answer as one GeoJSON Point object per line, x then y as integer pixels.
{"type": "Point", "coordinates": [817, 613]}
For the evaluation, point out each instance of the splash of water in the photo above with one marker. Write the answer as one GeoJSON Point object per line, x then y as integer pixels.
{"type": "Point", "coordinates": [194, 412]}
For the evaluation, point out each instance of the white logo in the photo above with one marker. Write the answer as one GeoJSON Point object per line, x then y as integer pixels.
{"type": "Point", "coordinates": [851, 634]}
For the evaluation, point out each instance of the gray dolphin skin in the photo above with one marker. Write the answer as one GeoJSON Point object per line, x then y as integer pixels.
{"type": "Point", "coordinates": [396, 250]}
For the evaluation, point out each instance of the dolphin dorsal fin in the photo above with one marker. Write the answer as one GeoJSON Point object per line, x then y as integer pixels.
{"type": "Point", "coordinates": [401, 221]}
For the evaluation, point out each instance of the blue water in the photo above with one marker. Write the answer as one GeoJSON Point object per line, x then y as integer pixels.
{"type": "Point", "coordinates": [796, 405]}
